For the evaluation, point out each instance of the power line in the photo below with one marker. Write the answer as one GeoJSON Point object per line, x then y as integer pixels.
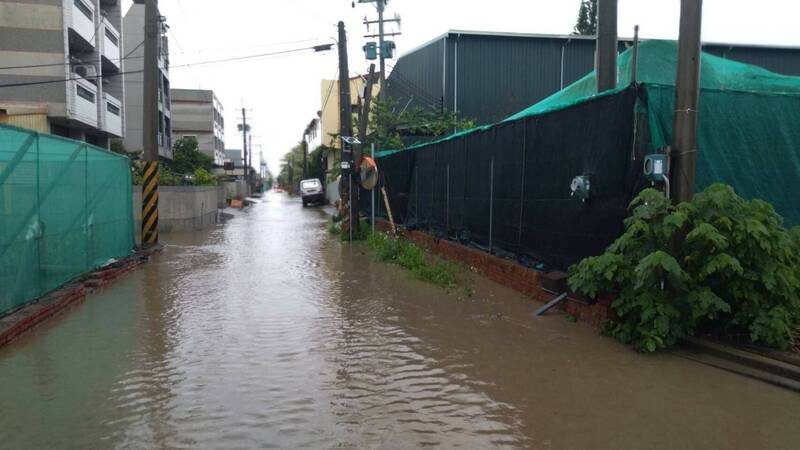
{"type": "Point", "coordinates": [215, 61]}
{"type": "Point", "coordinates": [128, 55]}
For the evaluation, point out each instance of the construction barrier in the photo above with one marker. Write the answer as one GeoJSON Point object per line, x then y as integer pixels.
{"type": "Point", "coordinates": [64, 210]}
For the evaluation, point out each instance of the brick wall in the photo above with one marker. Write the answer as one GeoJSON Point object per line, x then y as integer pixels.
{"type": "Point", "coordinates": [508, 273]}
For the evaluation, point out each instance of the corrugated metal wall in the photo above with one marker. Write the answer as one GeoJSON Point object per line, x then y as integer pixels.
{"type": "Point", "coordinates": [489, 77]}
{"type": "Point", "coordinates": [417, 77]}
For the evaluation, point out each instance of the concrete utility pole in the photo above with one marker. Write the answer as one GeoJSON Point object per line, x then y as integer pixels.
{"type": "Point", "coordinates": [382, 59]}
{"type": "Point", "coordinates": [244, 145]}
{"type": "Point", "coordinates": [305, 157]}
{"type": "Point", "coordinates": [687, 98]}
{"type": "Point", "coordinates": [152, 33]}
{"type": "Point", "coordinates": [606, 58]}
{"type": "Point", "coordinates": [381, 7]}
{"type": "Point", "coordinates": [346, 130]}
{"type": "Point", "coordinates": [250, 162]}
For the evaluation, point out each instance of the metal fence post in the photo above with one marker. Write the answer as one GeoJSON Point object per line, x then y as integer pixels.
{"type": "Point", "coordinates": [447, 203]}
{"type": "Point", "coordinates": [522, 189]}
{"type": "Point", "coordinates": [416, 191]}
{"type": "Point", "coordinates": [491, 202]}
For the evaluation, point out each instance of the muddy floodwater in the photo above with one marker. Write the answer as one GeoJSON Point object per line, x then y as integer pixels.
{"type": "Point", "coordinates": [269, 333]}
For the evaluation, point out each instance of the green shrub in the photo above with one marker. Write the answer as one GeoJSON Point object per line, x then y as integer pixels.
{"type": "Point", "coordinates": [717, 264]}
{"type": "Point", "coordinates": [203, 178]}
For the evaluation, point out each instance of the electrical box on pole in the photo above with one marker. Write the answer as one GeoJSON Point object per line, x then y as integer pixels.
{"type": "Point", "coordinates": [371, 50]}
{"type": "Point", "coordinates": [387, 50]}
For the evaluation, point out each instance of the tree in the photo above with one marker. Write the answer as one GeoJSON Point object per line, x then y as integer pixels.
{"type": "Point", "coordinates": [587, 18]}
{"type": "Point", "coordinates": [388, 127]}
{"type": "Point", "coordinates": [186, 158]}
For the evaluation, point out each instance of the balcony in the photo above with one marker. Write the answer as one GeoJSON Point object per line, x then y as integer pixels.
{"type": "Point", "coordinates": [110, 47]}
{"type": "Point", "coordinates": [83, 100]}
{"type": "Point", "coordinates": [112, 115]}
{"type": "Point", "coordinates": [80, 15]}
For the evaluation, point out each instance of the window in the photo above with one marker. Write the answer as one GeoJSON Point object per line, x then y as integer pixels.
{"type": "Point", "coordinates": [85, 93]}
{"type": "Point", "coordinates": [114, 40]}
{"type": "Point", "coordinates": [113, 109]}
{"type": "Point", "coordinates": [84, 9]}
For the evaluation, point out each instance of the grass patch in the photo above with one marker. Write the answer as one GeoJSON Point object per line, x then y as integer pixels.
{"type": "Point", "coordinates": [335, 228]}
{"type": "Point", "coordinates": [411, 257]}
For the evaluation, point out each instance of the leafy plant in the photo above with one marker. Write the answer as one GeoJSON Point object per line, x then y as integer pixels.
{"type": "Point", "coordinates": [203, 178]}
{"type": "Point", "coordinates": [389, 122]}
{"type": "Point", "coordinates": [717, 264]}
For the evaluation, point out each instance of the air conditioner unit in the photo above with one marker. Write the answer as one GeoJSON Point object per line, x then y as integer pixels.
{"type": "Point", "coordinates": [85, 70]}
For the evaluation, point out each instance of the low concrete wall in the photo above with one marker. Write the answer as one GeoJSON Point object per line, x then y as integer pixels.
{"type": "Point", "coordinates": [181, 207]}
{"type": "Point", "coordinates": [221, 200]}
{"type": "Point", "coordinates": [236, 189]}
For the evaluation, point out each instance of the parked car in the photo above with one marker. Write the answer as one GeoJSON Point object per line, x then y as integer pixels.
{"type": "Point", "coordinates": [311, 191]}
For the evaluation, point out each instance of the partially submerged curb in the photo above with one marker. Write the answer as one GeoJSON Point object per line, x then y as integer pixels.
{"type": "Point", "coordinates": [761, 364]}
{"type": "Point", "coordinates": [777, 368]}
{"type": "Point", "coordinates": [29, 316]}
{"type": "Point", "coordinates": [536, 284]}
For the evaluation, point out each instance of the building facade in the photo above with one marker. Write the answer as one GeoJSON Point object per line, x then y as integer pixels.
{"type": "Point", "coordinates": [63, 70]}
{"type": "Point", "coordinates": [490, 76]}
{"type": "Point", "coordinates": [198, 113]}
{"type": "Point", "coordinates": [329, 119]}
{"type": "Point", "coordinates": [134, 84]}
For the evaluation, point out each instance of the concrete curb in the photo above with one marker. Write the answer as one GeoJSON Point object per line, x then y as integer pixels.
{"type": "Point", "coordinates": [29, 316]}
{"type": "Point", "coordinates": [754, 363]}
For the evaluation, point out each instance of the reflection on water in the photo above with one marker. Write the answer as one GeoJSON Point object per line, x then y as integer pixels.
{"type": "Point", "coordinates": [267, 333]}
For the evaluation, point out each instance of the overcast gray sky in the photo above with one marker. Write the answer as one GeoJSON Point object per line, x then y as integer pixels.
{"type": "Point", "coordinates": [282, 94]}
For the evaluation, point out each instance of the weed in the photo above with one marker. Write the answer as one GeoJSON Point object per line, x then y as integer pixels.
{"type": "Point", "coordinates": [571, 318]}
{"type": "Point", "coordinates": [411, 257]}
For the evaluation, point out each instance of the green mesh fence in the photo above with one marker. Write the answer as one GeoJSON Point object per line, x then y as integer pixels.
{"type": "Point", "coordinates": [65, 209]}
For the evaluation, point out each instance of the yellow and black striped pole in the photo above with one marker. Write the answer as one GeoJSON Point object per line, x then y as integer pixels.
{"type": "Point", "coordinates": [152, 33]}
{"type": "Point", "coordinates": [150, 204]}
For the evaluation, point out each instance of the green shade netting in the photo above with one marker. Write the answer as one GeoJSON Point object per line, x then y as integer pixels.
{"type": "Point", "coordinates": [749, 121]}
{"type": "Point", "coordinates": [65, 209]}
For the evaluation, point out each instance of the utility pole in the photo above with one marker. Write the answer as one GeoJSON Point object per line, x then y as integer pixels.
{"type": "Point", "coordinates": [606, 63]}
{"type": "Point", "coordinates": [244, 145]}
{"type": "Point", "coordinates": [687, 97]}
{"type": "Point", "coordinates": [305, 157]}
{"type": "Point", "coordinates": [364, 121]}
{"type": "Point", "coordinates": [291, 172]}
{"type": "Point", "coordinates": [250, 163]}
{"type": "Point", "coordinates": [346, 131]}
{"type": "Point", "coordinates": [152, 32]}
{"type": "Point", "coordinates": [381, 7]}
{"type": "Point", "coordinates": [382, 92]}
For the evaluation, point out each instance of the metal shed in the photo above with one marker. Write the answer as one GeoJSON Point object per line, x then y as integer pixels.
{"type": "Point", "coordinates": [488, 76]}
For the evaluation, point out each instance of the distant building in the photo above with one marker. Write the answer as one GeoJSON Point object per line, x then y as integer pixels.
{"type": "Point", "coordinates": [134, 84]}
{"type": "Point", "coordinates": [329, 110]}
{"type": "Point", "coordinates": [64, 58]}
{"type": "Point", "coordinates": [490, 76]}
{"type": "Point", "coordinates": [198, 113]}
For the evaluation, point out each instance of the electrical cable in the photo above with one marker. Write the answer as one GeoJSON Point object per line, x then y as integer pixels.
{"type": "Point", "coordinates": [216, 61]}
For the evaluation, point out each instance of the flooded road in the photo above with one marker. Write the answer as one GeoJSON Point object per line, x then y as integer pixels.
{"type": "Point", "coordinates": [268, 333]}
